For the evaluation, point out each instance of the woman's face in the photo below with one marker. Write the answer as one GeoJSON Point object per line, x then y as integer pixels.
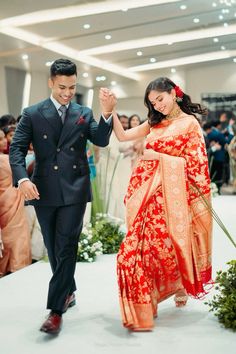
{"type": "Point", "coordinates": [3, 142]}
{"type": "Point", "coordinates": [162, 102]}
{"type": "Point", "coordinates": [134, 122]}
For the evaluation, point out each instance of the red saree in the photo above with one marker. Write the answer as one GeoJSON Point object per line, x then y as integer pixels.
{"type": "Point", "coordinates": [168, 243]}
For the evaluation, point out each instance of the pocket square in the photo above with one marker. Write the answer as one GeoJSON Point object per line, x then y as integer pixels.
{"type": "Point", "coordinates": [81, 120]}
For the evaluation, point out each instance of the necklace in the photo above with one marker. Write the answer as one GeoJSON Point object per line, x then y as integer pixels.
{"type": "Point", "coordinates": [174, 113]}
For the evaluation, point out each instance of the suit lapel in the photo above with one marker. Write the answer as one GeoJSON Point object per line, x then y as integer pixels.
{"type": "Point", "coordinates": [48, 110]}
{"type": "Point", "coordinates": [72, 116]}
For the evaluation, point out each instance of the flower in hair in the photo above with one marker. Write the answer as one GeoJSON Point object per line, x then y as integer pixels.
{"type": "Point", "coordinates": [179, 92]}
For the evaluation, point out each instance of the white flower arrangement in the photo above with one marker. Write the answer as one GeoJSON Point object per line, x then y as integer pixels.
{"type": "Point", "coordinates": [88, 247]}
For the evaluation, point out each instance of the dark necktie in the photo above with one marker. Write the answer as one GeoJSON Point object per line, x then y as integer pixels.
{"type": "Point", "coordinates": [63, 110]}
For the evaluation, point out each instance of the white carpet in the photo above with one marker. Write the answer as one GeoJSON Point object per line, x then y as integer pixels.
{"type": "Point", "coordinates": [94, 326]}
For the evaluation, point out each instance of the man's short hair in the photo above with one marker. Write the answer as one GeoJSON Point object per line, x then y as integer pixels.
{"type": "Point", "coordinates": [63, 67]}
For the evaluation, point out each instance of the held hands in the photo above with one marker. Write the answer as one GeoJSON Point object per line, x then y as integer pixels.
{"type": "Point", "coordinates": [107, 100]}
{"type": "Point", "coordinates": [29, 190]}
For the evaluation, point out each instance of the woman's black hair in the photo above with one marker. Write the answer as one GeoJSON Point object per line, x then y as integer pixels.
{"type": "Point", "coordinates": [163, 84]}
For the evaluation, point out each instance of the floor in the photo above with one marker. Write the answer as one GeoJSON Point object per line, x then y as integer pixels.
{"type": "Point", "coordinates": [93, 325]}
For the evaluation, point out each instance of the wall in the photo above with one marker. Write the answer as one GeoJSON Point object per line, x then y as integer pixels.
{"type": "Point", "coordinates": [3, 91]}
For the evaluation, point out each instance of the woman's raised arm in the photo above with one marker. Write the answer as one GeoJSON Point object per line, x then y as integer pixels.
{"type": "Point", "coordinates": [140, 131]}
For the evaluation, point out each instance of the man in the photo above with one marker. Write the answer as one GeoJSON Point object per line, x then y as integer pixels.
{"type": "Point", "coordinates": [60, 185]}
{"type": "Point", "coordinates": [124, 121]}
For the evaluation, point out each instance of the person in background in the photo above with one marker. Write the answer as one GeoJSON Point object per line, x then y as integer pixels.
{"type": "Point", "coordinates": [15, 236]}
{"type": "Point", "coordinates": [60, 185]}
{"type": "Point", "coordinates": [124, 121]}
{"type": "Point", "coordinates": [138, 144]}
{"type": "Point", "coordinates": [9, 133]}
{"type": "Point", "coordinates": [232, 155]}
{"type": "Point", "coordinates": [167, 249]}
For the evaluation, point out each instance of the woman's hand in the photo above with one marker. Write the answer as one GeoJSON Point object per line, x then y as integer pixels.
{"type": "Point", "coordinates": [149, 154]}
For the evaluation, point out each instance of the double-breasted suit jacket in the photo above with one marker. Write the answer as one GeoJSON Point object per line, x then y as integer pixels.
{"type": "Point", "coordinates": [61, 171]}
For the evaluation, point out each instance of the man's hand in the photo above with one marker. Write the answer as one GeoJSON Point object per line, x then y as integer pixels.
{"type": "Point", "coordinates": [107, 100]}
{"type": "Point", "coordinates": [29, 190]}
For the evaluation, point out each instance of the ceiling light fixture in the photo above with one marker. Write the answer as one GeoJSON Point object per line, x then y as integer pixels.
{"type": "Point", "coordinates": [85, 75]}
{"type": "Point", "coordinates": [183, 7]}
{"type": "Point", "coordinates": [193, 59]}
{"type": "Point", "coordinates": [107, 36]}
{"type": "Point", "coordinates": [196, 20]}
{"type": "Point", "coordinates": [86, 26]}
{"type": "Point", "coordinates": [153, 60]}
{"type": "Point", "coordinates": [25, 57]}
{"type": "Point", "coordinates": [139, 53]}
{"type": "Point", "coordinates": [66, 12]}
{"type": "Point", "coordinates": [164, 39]}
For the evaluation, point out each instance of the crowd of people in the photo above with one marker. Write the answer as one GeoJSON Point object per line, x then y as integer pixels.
{"type": "Point", "coordinates": [165, 252]}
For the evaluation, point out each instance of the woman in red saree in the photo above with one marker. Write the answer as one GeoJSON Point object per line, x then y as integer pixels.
{"type": "Point", "coordinates": [167, 249]}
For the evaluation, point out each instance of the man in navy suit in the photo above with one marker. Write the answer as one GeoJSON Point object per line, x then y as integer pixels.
{"type": "Point", "coordinates": [60, 185]}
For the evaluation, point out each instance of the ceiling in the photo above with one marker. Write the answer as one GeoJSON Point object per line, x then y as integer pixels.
{"type": "Point", "coordinates": [143, 36]}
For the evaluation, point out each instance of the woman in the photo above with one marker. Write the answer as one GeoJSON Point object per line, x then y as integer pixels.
{"type": "Point", "coordinates": [167, 248]}
{"type": "Point", "coordinates": [14, 228]}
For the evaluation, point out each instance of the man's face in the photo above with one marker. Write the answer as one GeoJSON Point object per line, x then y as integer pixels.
{"type": "Point", "coordinates": [63, 88]}
{"type": "Point", "coordinates": [125, 122]}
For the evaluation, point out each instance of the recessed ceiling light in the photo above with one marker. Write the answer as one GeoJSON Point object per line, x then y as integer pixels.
{"type": "Point", "coordinates": [153, 60]}
{"type": "Point", "coordinates": [86, 26]}
{"type": "Point", "coordinates": [221, 17]}
{"type": "Point", "coordinates": [113, 83]}
{"type": "Point", "coordinates": [215, 40]}
{"type": "Point", "coordinates": [173, 70]}
{"type": "Point", "coordinates": [25, 57]}
{"type": "Point", "coordinates": [139, 53]}
{"type": "Point", "coordinates": [101, 78]}
{"type": "Point", "coordinates": [85, 75]}
{"type": "Point", "coordinates": [225, 24]}
{"type": "Point", "coordinates": [214, 4]}
{"type": "Point", "coordinates": [234, 60]}
{"type": "Point", "coordinates": [225, 11]}
{"type": "Point", "coordinates": [183, 7]}
{"type": "Point", "coordinates": [222, 47]}
{"type": "Point", "coordinates": [48, 63]}
{"type": "Point", "coordinates": [196, 20]}
{"type": "Point", "coordinates": [108, 36]}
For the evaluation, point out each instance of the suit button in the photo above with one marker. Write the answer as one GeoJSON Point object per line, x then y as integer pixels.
{"type": "Point", "coordinates": [55, 167]}
{"type": "Point", "coordinates": [58, 149]}
{"type": "Point", "coordinates": [45, 136]}
{"type": "Point", "coordinates": [72, 148]}
{"type": "Point", "coordinates": [74, 167]}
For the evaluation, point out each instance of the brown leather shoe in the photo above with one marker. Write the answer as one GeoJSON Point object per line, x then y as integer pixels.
{"type": "Point", "coordinates": [70, 301]}
{"type": "Point", "coordinates": [52, 325]}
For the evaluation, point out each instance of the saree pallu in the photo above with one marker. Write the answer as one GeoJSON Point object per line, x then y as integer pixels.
{"type": "Point", "coordinates": [168, 243]}
{"type": "Point", "coordinates": [13, 223]}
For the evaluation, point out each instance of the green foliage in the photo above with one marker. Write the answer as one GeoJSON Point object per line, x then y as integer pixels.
{"type": "Point", "coordinates": [224, 303]}
{"type": "Point", "coordinates": [107, 230]}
